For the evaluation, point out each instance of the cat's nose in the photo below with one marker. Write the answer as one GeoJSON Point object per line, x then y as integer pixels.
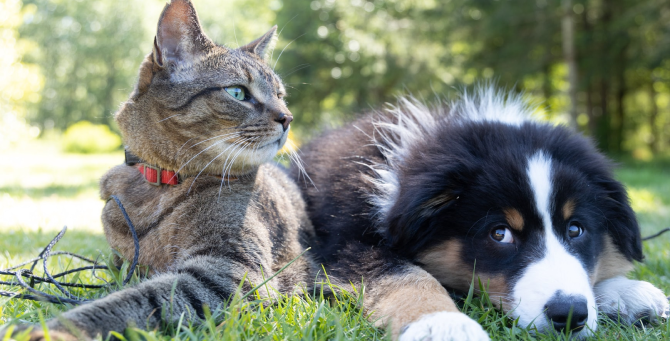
{"type": "Point", "coordinates": [284, 119]}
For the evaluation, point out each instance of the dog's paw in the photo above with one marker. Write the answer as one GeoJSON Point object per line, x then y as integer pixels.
{"type": "Point", "coordinates": [444, 326]}
{"type": "Point", "coordinates": [630, 300]}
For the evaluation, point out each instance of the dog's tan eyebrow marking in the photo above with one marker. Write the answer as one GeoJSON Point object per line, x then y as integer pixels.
{"type": "Point", "coordinates": [514, 218]}
{"type": "Point", "coordinates": [435, 203]}
{"type": "Point", "coordinates": [568, 209]}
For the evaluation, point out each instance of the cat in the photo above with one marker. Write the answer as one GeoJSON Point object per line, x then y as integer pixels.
{"type": "Point", "coordinates": [207, 118]}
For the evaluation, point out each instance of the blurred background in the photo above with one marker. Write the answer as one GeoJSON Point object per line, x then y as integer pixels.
{"type": "Point", "coordinates": [602, 66]}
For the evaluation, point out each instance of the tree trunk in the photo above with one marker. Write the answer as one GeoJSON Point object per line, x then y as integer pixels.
{"type": "Point", "coordinates": [589, 109]}
{"type": "Point", "coordinates": [620, 112]}
{"type": "Point", "coordinates": [620, 63]}
{"type": "Point", "coordinates": [604, 132]}
{"type": "Point", "coordinates": [588, 75]}
{"type": "Point", "coordinates": [604, 68]}
{"type": "Point", "coordinates": [654, 144]}
{"type": "Point", "coordinates": [568, 30]}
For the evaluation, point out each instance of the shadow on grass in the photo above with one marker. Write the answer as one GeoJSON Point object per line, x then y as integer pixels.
{"type": "Point", "coordinates": [27, 244]}
{"type": "Point", "coordinates": [59, 190]}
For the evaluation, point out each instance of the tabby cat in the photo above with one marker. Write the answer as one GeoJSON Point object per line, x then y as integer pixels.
{"type": "Point", "coordinates": [206, 118]}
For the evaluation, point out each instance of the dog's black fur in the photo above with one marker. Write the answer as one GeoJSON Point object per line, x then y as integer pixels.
{"type": "Point", "coordinates": [454, 181]}
{"type": "Point", "coordinates": [481, 164]}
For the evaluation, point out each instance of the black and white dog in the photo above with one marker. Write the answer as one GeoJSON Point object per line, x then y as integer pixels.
{"type": "Point", "coordinates": [412, 200]}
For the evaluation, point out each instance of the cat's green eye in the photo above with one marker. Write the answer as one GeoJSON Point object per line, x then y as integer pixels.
{"type": "Point", "coordinates": [238, 92]}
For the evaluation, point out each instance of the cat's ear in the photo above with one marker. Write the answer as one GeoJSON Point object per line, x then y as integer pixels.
{"type": "Point", "coordinates": [262, 45]}
{"type": "Point", "coordinates": [179, 38]}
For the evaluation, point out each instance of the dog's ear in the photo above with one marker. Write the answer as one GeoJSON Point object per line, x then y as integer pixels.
{"type": "Point", "coordinates": [622, 225]}
{"type": "Point", "coordinates": [611, 198]}
{"type": "Point", "coordinates": [408, 222]}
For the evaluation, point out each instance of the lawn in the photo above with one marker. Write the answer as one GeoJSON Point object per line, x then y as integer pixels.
{"type": "Point", "coordinates": [42, 190]}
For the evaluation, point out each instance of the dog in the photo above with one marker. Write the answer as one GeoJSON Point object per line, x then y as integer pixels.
{"type": "Point", "coordinates": [414, 199]}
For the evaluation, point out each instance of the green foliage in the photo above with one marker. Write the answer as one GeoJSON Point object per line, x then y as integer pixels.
{"type": "Point", "coordinates": [350, 55]}
{"type": "Point", "coordinates": [86, 138]}
{"type": "Point", "coordinates": [89, 52]}
{"type": "Point", "coordinates": [339, 58]}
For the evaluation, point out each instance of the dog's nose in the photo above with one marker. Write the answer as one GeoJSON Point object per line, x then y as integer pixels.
{"type": "Point", "coordinates": [284, 120]}
{"type": "Point", "coordinates": [567, 312]}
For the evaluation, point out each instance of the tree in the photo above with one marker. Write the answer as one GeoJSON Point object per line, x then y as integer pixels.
{"type": "Point", "coordinates": [19, 83]}
{"type": "Point", "coordinates": [359, 54]}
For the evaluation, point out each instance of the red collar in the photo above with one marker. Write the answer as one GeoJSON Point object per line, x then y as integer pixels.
{"type": "Point", "coordinates": [158, 176]}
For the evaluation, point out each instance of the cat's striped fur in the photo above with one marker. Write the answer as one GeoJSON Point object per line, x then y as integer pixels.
{"type": "Point", "coordinates": [203, 236]}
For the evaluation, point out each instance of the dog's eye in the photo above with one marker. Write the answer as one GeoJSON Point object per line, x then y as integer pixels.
{"type": "Point", "coordinates": [575, 230]}
{"type": "Point", "coordinates": [502, 234]}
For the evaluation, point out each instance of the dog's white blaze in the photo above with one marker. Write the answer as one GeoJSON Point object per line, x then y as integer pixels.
{"type": "Point", "coordinates": [558, 270]}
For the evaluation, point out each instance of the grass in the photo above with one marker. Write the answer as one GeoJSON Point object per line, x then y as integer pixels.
{"type": "Point", "coordinates": [42, 189]}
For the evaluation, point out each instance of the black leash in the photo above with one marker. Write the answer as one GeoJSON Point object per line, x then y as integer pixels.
{"type": "Point", "coordinates": [655, 235]}
{"type": "Point", "coordinates": [19, 273]}
{"type": "Point", "coordinates": [136, 240]}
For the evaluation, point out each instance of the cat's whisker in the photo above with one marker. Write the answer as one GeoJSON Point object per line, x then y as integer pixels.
{"type": "Point", "coordinates": [272, 53]}
{"type": "Point", "coordinates": [225, 172]}
{"type": "Point", "coordinates": [282, 51]}
{"type": "Point", "coordinates": [297, 160]}
{"type": "Point", "coordinates": [182, 146]}
{"type": "Point", "coordinates": [250, 143]}
{"type": "Point", "coordinates": [280, 157]}
{"type": "Point", "coordinates": [282, 154]}
{"type": "Point", "coordinates": [207, 165]}
{"type": "Point", "coordinates": [296, 69]}
{"type": "Point", "coordinates": [196, 155]}
{"type": "Point", "coordinates": [258, 145]}
{"type": "Point", "coordinates": [214, 137]}
{"type": "Point", "coordinates": [211, 138]}
{"type": "Point", "coordinates": [232, 161]}
{"type": "Point", "coordinates": [225, 163]}
{"type": "Point", "coordinates": [202, 151]}
{"type": "Point", "coordinates": [235, 34]}
{"type": "Point", "coordinates": [235, 158]}
{"type": "Point", "coordinates": [167, 118]}
{"type": "Point", "coordinates": [252, 152]}
{"type": "Point", "coordinates": [224, 175]}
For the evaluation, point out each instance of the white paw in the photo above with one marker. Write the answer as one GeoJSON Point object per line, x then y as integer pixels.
{"type": "Point", "coordinates": [444, 326]}
{"type": "Point", "coordinates": [632, 300]}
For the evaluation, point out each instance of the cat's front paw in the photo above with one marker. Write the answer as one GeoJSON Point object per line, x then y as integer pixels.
{"type": "Point", "coordinates": [444, 326]}
{"type": "Point", "coordinates": [630, 300]}
{"type": "Point", "coordinates": [36, 334]}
